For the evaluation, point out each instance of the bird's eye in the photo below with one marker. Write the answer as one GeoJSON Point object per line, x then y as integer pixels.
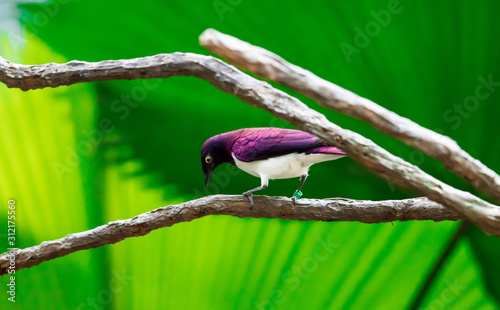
{"type": "Point", "coordinates": [208, 159]}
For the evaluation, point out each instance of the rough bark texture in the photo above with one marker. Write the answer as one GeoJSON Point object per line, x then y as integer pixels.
{"type": "Point", "coordinates": [272, 67]}
{"type": "Point", "coordinates": [262, 95]}
{"type": "Point", "coordinates": [335, 209]}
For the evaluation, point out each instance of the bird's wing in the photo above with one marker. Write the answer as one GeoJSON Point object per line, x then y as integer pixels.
{"type": "Point", "coordinates": [262, 143]}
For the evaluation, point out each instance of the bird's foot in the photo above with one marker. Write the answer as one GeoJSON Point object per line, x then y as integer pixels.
{"type": "Point", "coordinates": [296, 196]}
{"type": "Point", "coordinates": [249, 195]}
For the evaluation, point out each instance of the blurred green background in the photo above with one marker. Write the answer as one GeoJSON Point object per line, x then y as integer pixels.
{"type": "Point", "coordinates": [422, 59]}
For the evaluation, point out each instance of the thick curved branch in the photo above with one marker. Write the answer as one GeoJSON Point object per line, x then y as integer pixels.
{"type": "Point", "coordinates": [262, 95]}
{"type": "Point", "coordinates": [335, 209]}
{"type": "Point", "coordinates": [272, 67]}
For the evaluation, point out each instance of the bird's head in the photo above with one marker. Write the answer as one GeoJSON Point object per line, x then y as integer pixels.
{"type": "Point", "coordinates": [214, 152]}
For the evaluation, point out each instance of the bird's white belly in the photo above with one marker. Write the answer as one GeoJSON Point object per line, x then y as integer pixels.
{"type": "Point", "coordinates": [283, 167]}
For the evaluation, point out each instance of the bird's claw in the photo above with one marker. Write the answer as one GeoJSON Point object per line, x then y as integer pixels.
{"type": "Point", "coordinates": [249, 196]}
{"type": "Point", "coordinates": [294, 200]}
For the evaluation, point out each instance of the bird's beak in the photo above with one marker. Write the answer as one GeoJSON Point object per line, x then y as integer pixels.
{"type": "Point", "coordinates": [207, 178]}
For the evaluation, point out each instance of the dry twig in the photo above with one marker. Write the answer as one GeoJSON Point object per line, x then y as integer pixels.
{"type": "Point", "coordinates": [335, 209]}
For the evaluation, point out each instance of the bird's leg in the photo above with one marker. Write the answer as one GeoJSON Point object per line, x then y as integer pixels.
{"type": "Point", "coordinates": [298, 193]}
{"type": "Point", "coordinates": [249, 194]}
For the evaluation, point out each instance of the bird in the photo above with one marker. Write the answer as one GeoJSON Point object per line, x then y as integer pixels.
{"type": "Point", "coordinates": [267, 153]}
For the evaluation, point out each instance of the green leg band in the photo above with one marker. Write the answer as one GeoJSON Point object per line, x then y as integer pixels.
{"type": "Point", "coordinates": [297, 194]}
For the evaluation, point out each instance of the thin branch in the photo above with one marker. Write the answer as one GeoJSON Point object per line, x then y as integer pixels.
{"type": "Point", "coordinates": [334, 209]}
{"type": "Point", "coordinates": [272, 67]}
{"type": "Point", "coordinates": [262, 95]}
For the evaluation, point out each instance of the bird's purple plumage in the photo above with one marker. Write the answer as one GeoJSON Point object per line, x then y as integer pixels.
{"type": "Point", "coordinates": [261, 143]}
{"type": "Point", "coordinates": [325, 150]}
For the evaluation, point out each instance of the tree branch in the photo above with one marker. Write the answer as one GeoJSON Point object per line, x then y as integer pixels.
{"type": "Point", "coordinates": [259, 94]}
{"type": "Point", "coordinates": [272, 67]}
{"type": "Point", "coordinates": [333, 209]}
